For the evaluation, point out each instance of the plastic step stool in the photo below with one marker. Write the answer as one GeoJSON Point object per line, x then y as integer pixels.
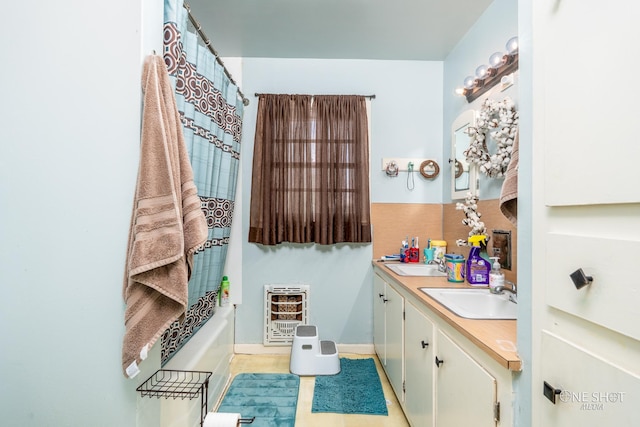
{"type": "Point", "coordinates": [310, 355]}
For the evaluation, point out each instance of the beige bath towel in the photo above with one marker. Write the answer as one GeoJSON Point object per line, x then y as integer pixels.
{"type": "Point", "coordinates": [167, 225]}
{"type": "Point", "coordinates": [509, 193]}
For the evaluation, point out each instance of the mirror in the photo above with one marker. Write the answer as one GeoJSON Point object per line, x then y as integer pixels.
{"type": "Point", "coordinates": [463, 174]}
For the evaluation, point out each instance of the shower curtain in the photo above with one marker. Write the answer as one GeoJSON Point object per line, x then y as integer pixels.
{"type": "Point", "coordinates": [211, 114]}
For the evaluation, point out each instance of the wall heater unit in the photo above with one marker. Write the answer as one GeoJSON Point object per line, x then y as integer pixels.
{"type": "Point", "coordinates": [286, 306]}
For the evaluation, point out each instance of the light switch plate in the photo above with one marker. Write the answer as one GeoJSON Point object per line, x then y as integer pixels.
{"type": "Point", "coordinates": [502, 247]}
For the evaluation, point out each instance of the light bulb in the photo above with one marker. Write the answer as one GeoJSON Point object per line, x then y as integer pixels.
{"type": "Point", "coordinates": [481, 72]}
{"type": "Point", "coordinates": [460, 91]}
{"type": "Point", "coordinates": [512, 45]}
{"type": "Point", "coordinates": [496, 60]}
{"type": "Point", "coordinates": [469, 82]}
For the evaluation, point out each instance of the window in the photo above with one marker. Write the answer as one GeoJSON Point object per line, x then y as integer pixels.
{"type": "Point", "coordinates": [310, 170]}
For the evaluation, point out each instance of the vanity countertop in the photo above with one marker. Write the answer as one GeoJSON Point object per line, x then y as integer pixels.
{"type": "Point", "coordinates": [497, 338]}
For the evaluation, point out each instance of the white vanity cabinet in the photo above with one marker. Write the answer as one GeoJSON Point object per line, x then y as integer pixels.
{"type": "Point", "coordinates": [379, 314]}
{"type": "Point", "coordinates": [419, 359]}
{"type": "Point", "coordinates": [388, 333]}
{"type": "Point", "coordinates": [441, 378]}
{"type": "Point", "coordinates": [465, 392]}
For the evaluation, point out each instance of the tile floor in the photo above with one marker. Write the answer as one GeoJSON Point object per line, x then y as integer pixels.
{"type": "Point", "coordinates": [304, 417]}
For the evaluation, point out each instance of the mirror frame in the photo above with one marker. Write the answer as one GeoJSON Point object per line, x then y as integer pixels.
{"type": "Point", "coordinates": [466, 119]}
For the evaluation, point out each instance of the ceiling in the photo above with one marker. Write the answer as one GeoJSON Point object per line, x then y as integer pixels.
{"type": "Point", "coordinates": [337, 29]}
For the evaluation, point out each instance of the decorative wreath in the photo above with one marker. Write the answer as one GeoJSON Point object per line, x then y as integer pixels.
{"type": "Point", "coordinates": [499, 120]}
{"type": "Point", "coordinates": [429, 164]}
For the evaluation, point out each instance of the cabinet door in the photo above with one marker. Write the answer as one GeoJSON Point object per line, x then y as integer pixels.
{"type": "Point", "coordinates": [394, 306]}
{"type": "Point", "coordinates": [379, 318]}
{"type": "Point", "coordinates": [466, 393]}
{"type": "Point", "coordinates": [419, 357]}
{"type": "Point", "coordinates": [590, 128]}
{"type": "Point", "coordinates": [592, 391]}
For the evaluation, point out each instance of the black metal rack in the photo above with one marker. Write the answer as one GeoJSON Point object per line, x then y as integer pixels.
{"type": "Point", "coordinates": [178, 384]}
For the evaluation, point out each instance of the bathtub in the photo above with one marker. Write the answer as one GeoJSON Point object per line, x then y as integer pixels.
{"type": "Point", "coordinates": [210, 349]}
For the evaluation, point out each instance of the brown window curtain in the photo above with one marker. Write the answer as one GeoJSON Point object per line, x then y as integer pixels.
{"type": "Point", "coordinates": [310, 170]}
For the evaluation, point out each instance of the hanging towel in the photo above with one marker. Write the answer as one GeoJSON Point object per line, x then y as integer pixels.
{"type": "Point", "coordinates": [167, 224]}
{"type": "Point", "coordinates": [509, 193]}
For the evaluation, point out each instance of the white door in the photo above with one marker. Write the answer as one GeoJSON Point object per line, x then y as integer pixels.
{"type": "Point", "coordinates": [585, 212]}
{"type": "Point", "coordinates": [466, 394]}
{"type": "Point", "coordinates": [419, 364]}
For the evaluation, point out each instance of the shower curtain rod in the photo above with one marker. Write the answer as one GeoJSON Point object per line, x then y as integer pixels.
{"type": "Point", "coordinates": [366, 96]}
{"type": "Point", "coordinates": [207, 44]}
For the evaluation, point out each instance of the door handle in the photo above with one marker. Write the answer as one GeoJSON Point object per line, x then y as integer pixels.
{"type": "Point", "coordinates": [551, 392]}
{"type": "Point", "coordinates": [580, 279]}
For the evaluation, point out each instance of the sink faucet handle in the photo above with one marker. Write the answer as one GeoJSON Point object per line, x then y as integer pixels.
{"type": "Point", "coordinates": [513, 285]}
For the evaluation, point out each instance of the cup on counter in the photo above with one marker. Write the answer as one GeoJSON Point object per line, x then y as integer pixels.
{"type": "Point", "coordinates": [455, 269]}
{"type": "Point", "coordinates": [428, 255]}
{"type": "Point", "coordinates": [413, 255]}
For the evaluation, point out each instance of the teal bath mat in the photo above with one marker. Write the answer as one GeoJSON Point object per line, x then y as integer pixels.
{"type": "Point", "coordinates": [271, 398]}
{"type": "Point", "coordinates": [355, 390]}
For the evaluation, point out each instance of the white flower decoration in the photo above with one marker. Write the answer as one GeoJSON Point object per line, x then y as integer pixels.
{"type": "Point", "coordinates": [499, 120]}
{"type": "Point", "coordinates": [472, 220]}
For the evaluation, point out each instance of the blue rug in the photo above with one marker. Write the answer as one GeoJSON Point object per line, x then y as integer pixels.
{"type": "Point", "coordinates": [355, 390]}
{"type": "Point", "coordinates": [271, 398]}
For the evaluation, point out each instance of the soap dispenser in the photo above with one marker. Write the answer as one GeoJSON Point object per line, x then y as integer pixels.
{"type": "Point", "coordinates": [496, 276]}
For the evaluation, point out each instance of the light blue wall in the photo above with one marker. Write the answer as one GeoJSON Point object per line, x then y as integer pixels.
{"type": "Point", "coordinates": [488, 35]}
{"type": "Point", "coordinates": [502, 20]}
{"type": "Point", "coordinates": [69, 138]}
{"type": "Point", "coordinates": [406, 121]}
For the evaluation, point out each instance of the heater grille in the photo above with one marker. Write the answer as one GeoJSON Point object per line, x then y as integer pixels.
{"type": "Point", "coordinates": [286, 306]}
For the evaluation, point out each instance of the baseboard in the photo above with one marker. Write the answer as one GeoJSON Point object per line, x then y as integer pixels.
{"type": "Point", "coordinates": [356, 348]}
{"type": "Point", "coordinates": [286, 349]}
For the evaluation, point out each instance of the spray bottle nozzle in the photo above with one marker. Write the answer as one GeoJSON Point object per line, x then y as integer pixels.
{"type": "Point", "coordinates": [475, 240]}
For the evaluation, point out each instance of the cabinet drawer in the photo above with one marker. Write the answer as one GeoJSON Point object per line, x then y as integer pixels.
{"type": "Point", "coordinates": [592, 391]}
{"type": "Point", "coordinates": [606, 300]}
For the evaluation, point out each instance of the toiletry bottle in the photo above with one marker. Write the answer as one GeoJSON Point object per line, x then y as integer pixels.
{"type": "Point", "coordinates": [478, 268]}
{"type": "Point", "coordinates": [224, 292]}
{"type": "Point", "coordinates": [496, 276]}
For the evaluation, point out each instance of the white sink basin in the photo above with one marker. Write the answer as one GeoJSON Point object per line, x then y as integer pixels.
{"type": "Point", "coordinates": [474, 303]}
{"type": "Point", "coordinates": [416, 269]}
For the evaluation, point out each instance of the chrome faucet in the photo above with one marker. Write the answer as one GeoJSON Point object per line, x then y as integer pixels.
{"type": "Point", "coordinates": [512, 289]}
{"type": "Point", "coordinates": [442, 267]}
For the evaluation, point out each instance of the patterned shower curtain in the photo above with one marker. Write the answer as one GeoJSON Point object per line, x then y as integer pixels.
{"type": "Point", "coordinates": [211, 113]}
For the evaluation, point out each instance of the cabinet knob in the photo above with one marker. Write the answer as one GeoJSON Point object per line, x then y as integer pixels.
{"type": "Point", "coordinates": [580, 279]}
{"type": "Point", "coordinates": [380, 295]}
{"type": "Point", "coordinates": [424, 344]}
{"type": "Point", "coordinates": [384, 300]}
{"type": "Point", "coordinates": [439, 362]}
{"type": "Point", "coordinates": [551, 392]}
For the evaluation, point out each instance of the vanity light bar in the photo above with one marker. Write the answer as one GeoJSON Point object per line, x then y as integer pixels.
{"type": "Point", "coordinates": [487, 76]}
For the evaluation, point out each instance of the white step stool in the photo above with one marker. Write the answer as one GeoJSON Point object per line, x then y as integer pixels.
{"type": "Point", "coordinates": [310, 356]}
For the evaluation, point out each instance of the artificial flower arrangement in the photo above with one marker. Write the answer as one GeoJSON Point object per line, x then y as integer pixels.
{"type": "Point", "coordinates": [472, 220]}
{"type": "Point", "coordinates": [499, 120]}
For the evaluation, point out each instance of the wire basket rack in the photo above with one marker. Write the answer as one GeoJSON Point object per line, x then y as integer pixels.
{"type": "Point", "coordinates": [178, 384]}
